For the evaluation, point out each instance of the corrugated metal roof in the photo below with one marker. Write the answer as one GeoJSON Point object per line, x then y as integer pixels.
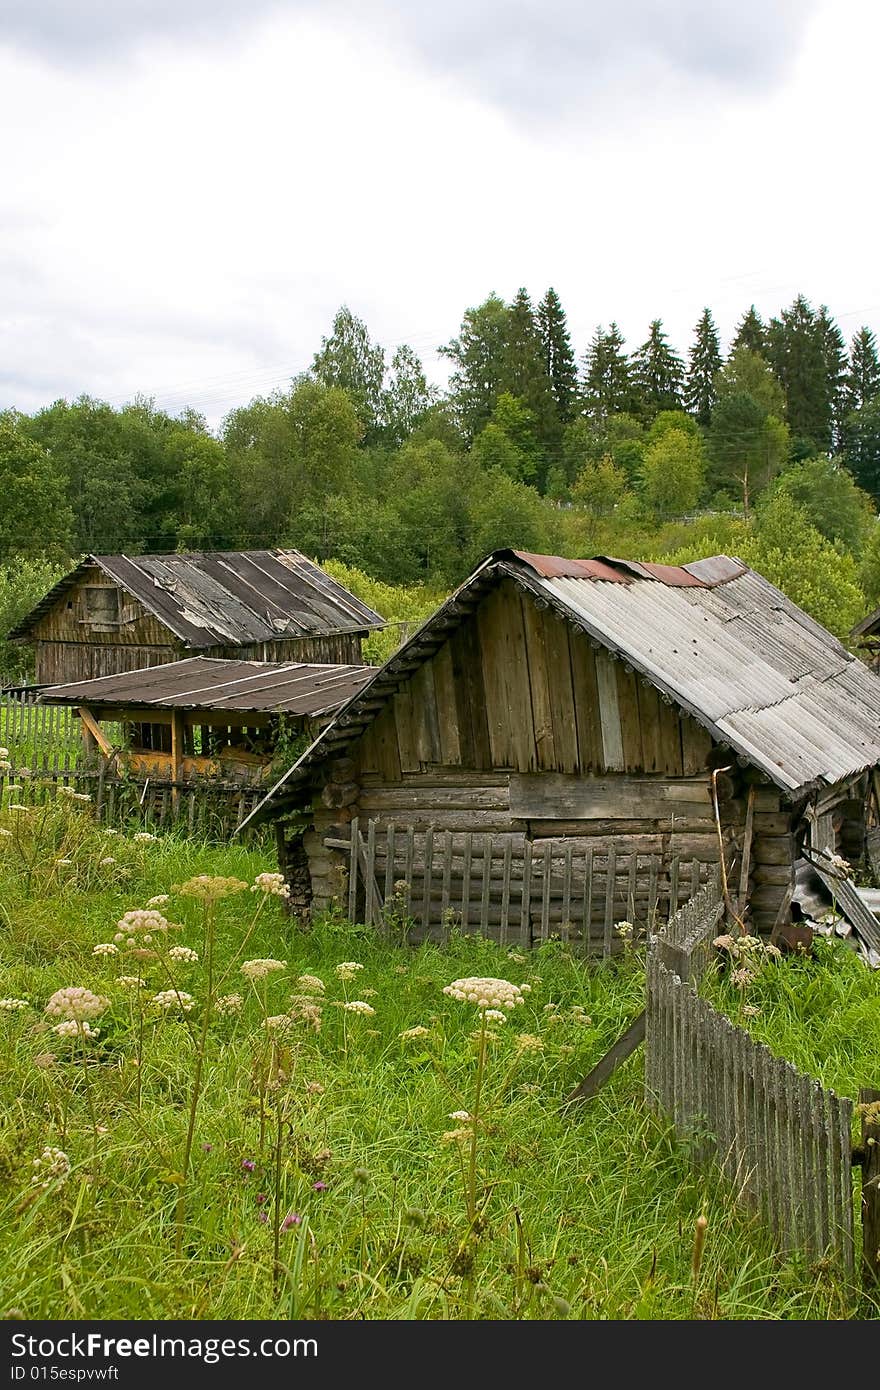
{"type": "Point", "coordinates": [731, 650]}
{"type": "Point", "coordinates": [226, 598]}
{"type": "Point", "coordinates": [201, 682]}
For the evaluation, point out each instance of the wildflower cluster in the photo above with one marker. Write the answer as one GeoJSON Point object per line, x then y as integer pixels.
{"type": "Point", "coordinates": [310, 984]}
{"type": "Point", "coordinates": [271, 884]}
{"type": "Point", "coordinates": [492, 997]}
{"type": "Point", "coordinates": [143, 922]}
{"type": "Point", "coordinates": [70, 794]}
{"type": "Point", "coordinates": [411, 1034]}
{"type": "Point", "coordinates": [169, 1000]}
{"type": "Point", "coordinates": [11, 1006]}
{"type": "Point", "coordinates": [347, 969]}
{"type": "Point", "coordinates": [228, 1004]}
{"type": "Point", "coordinates": [261, 967]}
{"type": "Point", "coordinates": [748, 954]}
{"type": "Point", "coordinates": [53, 1165]}
{"type": "Point", "coordinates": [76, 1005]}
{"type": "Point", "coordinates": [306, 1009]}
{"type": "Point", "coordinates": [183, 955]}
{"type": "Point", "coordinates": [358, 1006]}
{"type": "Point", "coordinates": [105, 948]}
{"type": "Point", "coordinates": [211, 888]}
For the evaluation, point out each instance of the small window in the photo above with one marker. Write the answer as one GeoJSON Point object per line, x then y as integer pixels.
{"type": "Point", "coordinates": [101, 606]}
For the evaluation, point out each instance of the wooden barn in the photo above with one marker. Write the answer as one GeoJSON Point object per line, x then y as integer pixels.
{"type": "Point", "coordinates": [547, 753]}
{"type": "Point", "coordinates": [203, 719]}
{"type": "Point", "coordinates": [117, 613]}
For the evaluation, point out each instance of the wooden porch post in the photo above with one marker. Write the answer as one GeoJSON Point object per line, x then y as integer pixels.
{"type": "Point", "coordinates": [176, 756]}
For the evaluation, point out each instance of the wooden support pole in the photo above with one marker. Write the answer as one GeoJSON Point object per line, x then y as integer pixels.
{"type": "Point", "coordinates": [177, 734]}
{"type": "Point", "coordinates": [624, 1047]}
{"type": "Point", "coordinates": [93, 730]}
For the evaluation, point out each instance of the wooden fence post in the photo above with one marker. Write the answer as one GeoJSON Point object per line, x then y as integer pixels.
{"type": "Point", "coordinates": [870, 1158]}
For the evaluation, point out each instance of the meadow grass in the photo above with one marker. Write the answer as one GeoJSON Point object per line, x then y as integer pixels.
{"type": "Point", "coordinates": [355, 1202]}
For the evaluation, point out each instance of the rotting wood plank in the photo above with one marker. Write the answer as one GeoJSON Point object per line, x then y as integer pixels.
{"type": "Point", "coordinates": [669, 738]}
{"type": "Point", "coordinates": [405, 722]}
{"type": "Point", "coordinates": [610, 874]}
{"type": "Point", "coordinates": [559, 796]}
{"type": "Point", "coordinates": [466, 881]}
{"type": "Point", "coordinates": [546, 869]}
{"type": "Point", "coordinates": [426, 724]}
{"type": "Point", "coordinates": [587, 900]}
{"type": "Point", "coordinates": [696, 745]}
{"type": "Point", "coordinates": [429, 869]}
{"type": "Point", "coordinates": [484, 892]}
{"type": "Point", "coordinates": [526, 897]}
{"type": "Point", "coordinates": [505, 892]}
{"type": "Point", "coordinates": [562, 706]}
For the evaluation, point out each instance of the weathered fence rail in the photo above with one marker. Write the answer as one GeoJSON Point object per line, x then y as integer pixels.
{"type": "Point", "coordinates": [40, 738]}
{"type": "Point", "coordinates": [506, 887]}
{"type": "Point", "coordinates": [783, 1141]}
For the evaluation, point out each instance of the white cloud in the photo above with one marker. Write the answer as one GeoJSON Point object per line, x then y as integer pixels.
{"type": "Point", "coordinates": [187, 221]}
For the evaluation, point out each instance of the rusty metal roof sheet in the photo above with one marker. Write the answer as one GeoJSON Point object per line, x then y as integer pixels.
{"type": "Point", "coordinates": [764, 678]}
{"type": "Point", "coordinates": [204, 683]}
{"type": "Point", "coordinates": [226, 598]}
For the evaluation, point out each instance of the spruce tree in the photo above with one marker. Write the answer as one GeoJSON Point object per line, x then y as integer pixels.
{"type": "Point", "coordinates": [607, 375]}
{"type": "Point", "coordinates": [797, 352]}
{"type": "Point", "coordinates": [705, 362]}
{"type": "Point", "coordinates": [834, 353]}
{"type": "Point", "coordinates": [751, 333]}
{"type": "Point", "coordinates": [558, 355]}
{"type": "Point", "coordinates": [659, 373]}
{"type": "Point", "coordinates": [524, 376]}
{"type": "Point", "coordinates": [478, 356]}
{"type": "Point", "coordinates": [862, 382]}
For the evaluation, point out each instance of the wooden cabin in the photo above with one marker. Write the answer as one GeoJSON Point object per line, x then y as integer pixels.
{"type": "Point", "coordinates": [548, 752]}
{"type": "Point", "coordinates": [205, 720]}
{"type": "Point", "coordinates": [116, 613]}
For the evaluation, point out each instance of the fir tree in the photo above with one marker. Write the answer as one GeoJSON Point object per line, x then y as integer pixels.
{"type": "Point", "coordinates": [862, 382]}
{"type": "Point", "coordinates": [478, 354]}
{"type": "Point", "coordinates": [659, 373]}
{"type": "Point", "coordinates": [751, 333]}
{"type": "Point", "coordinates": [557, 353]}
{"type": "Point", "coordinates": [704, 363]}
{"type": "Point", "coordinates": [607, 375]}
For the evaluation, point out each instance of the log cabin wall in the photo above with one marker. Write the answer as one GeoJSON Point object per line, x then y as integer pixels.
{"type": "Point", "coordinates": [518, 728]}
{"type": "Point", "coordinates": [97, 629]}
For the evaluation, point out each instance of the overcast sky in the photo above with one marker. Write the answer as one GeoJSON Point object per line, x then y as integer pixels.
{"type": "Point", "coordinates": [191, 188]}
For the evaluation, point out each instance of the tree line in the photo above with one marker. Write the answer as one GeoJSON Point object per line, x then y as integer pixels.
{"type": "Point", "coordinates": [646, 450]}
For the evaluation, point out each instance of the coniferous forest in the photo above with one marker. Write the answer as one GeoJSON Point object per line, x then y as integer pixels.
{"type": "Point", "coordinates": [767, 448]}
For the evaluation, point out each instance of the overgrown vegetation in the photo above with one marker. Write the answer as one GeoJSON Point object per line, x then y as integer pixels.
{"type": "Point", "coordinates": [772, 451]}
{"type": "Point", "coordinates": [289, 1130]}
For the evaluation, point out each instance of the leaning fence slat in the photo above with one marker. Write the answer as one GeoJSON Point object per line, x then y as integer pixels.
{"type": "Point", "coordinates": [446, 885]}
{"type": "Point", "coordinates": [566, 893]}
{"type": "Point", "coordinates": [526, 918]}
{"type": "Point", "coordinates": [353, 871]}
{"type": "Point", "coordinates": [610, 871]}
{"type": "Point", "coordinates": [389, 862]}
{"type": "Point", "coordinates": [484, 889]}
{"type": "Point", "coordinates": [466, 881]}
{"type": "Point", "coordinates": [505, 891]}
{"type": "Point", "coordinates": [588, 901]}
{"type": "Point", "coordinates": [820, 1140]}
{"type": "Point", "coordinates": [369, 873]}
{"type": "Point", "coordinates": [546, 872]}
{"type": "Point", "coordinates": [429, 874]}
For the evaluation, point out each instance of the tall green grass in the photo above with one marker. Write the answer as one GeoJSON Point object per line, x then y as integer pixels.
{"type": "Point", "coordinates": [587, 1215]}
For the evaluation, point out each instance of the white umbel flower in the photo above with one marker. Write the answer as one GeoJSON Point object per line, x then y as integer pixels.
{"type": "Point", "coordinates": [76, 1003]}
{"type": "Point", "coordinates": [358, 1006]}
{"type": "Point", "coordinates": [170, 999]}
{"type": "Point", "coordinates": [347, 969]}
{"type": "Point", "coordinates": [141, 921]}
{"type": "Point", "coordinates": [53, 1165]}
{"type": "Point", "coordinates": [105, 948]}
{"type": "Point", "coordinates": [228, 1004]}
{"type": "Point", "coordinates": [12, 1006]}
{"type": "Point", "coordinates": [310, 984]}
{"type": "Point", "coordinates": [184, 954]}
{"type": "Point", "coordinates": [271, 884]}
{"type": "Point", "coordinates": [261, 967]}
{"type": "Point", "coordinates": [486, 993]}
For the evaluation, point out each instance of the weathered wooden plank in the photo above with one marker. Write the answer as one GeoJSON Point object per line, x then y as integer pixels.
{"type": "Point", "coordinates": [525, 899]}
{"type": "Point", "coordinates": [505, 892]}
{"type": "Point", "coordinates": [628, 711]}
{"type": "Point", "coordinates": [470, 698]}
{"type": "Point", "coordinates": [669, 738]}
{"type": "Point", "coordinates": [405, 719]}
{"type": "Point", "coordinates": [562, 705]}
{"type": "Point", "coordinates": [429, 870]}
{"type": "Point", "coordinates": [609, 713]}
{"type": "Point", "coordinates": [369, 873]}
{"type": "Point", "coordinates": [625, 1046]}
{"type": "Point", "coordinates": [545, 892]}
{"type": "Point", "coordinates": [466, 881]}
{"type": "Point", "coordinates": [608, 925]}
{"type": "Point", "coordinates": [559, 796]}
{"type": "Point", "coordinates": [426, 722]}
{"type": "Point", "coordinates": [408, 869]}
{"type": "Point", "coordinates": [486, 877]}
{"type": "Point", "coordinates": [649, 724]}
{"type": "Point", "coordinates": [568, 852]}
{"type": "Point", "coordinates": [405, 796]}
{"type": "Point", "coordinates": [586, 703]}
{"type": "Point", "coordinates": [696, 745]}
{"type": "Point", "coordinates": [587, 900]}
{"type": "Point", "coordinates": [540, 680]}
{"type": "Point", "coordinates": [447, 877]}
{"type": "Point", "coordinates": [353, 872]}
{"type": "Point", "coordinates": [390, 849]}
{"type": "Point", "coordinates": [447, 714]}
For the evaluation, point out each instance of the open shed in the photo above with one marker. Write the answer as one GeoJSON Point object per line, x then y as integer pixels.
{"type": "Point", "coordinates": [117, 613]}
{"type": "Point", "coordinates": [203, 718]}
{"type": "Point", "coordinates": [566, 743]}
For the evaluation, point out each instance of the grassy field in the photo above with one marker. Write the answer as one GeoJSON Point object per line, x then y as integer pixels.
{"type": "Point", "coordinates": [325, 1166]}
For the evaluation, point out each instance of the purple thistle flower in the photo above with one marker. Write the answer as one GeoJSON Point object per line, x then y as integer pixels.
{"type": "Point", "coordinates": [263, 1216]}
{"type": "Point", "coordinates": [292, 1218]}
{"type": "Point", "coordinates": [248, 1165]}
{"type": "Point", "coordinates": [206, 1148]}
{"type": "Point", "coordinates": [319, 1187]}
{"type": "Point", "coordinates": [261, 1198]}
